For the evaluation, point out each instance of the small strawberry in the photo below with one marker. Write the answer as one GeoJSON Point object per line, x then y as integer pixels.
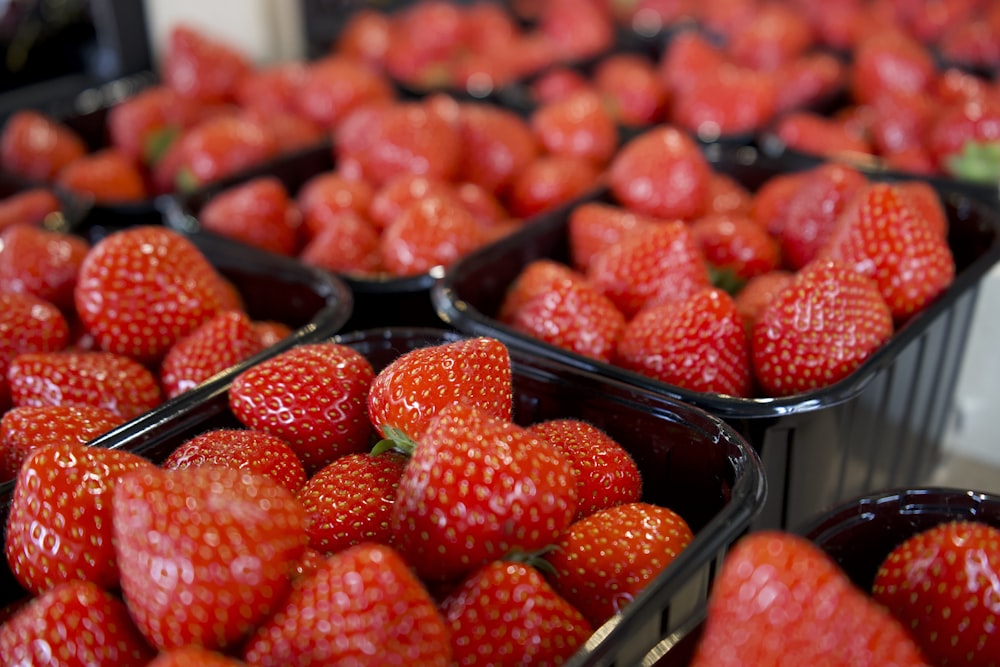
{"type": "Point", "coordinates": [606, 474]}
{"type": "Point", "coordinates": [328, 194]}
{"type": "Point", "coordinates": [143, 125]}
{"type": "Point", "coordinates": [890, 61]}
{"type": "Point", "coordinates": [498, 145]}
{"type": "Point", "coordinates": [200, 66]}
{"type": "Point", "coordinates": [27, 324]}
{"type": "Point", "coordinates": [30, 207]}
{"type": "Point", "coordinates": [242, 449]}
{"type": "Point", "coordinates": [592, 226]}
{"type": "Point", "coordinates": [106, 176]}
{"type": "Point", "coordinates": [507, 613]}
{"type": "Point", "coordinates": [815, 134]}
{"type": "Point", "coordinates": [270, 332]}
{"type": "Point", "coordinates": [406, 394]}
{"type": "Point", "coordinates": [59, 526]}
{"type": "Point", "coordinates": [435, 231]}
{"type": "Point", "coordinates": [367, 598]}
{"type": "Point", "coordinates": [36, 146]}
{"type": "Point", "coordinates": [193, 656]}
{"type": "Point", "coordinates": [516, 493]}
{"type": "Point", "coordinates": [347, 244]}
{"type": "Point", "coordinates": [398, 193]}
{"type": "Point", "coordinates": [818, 329]}
{"type": "Point", "coordinates": [602, 562]}
{"type": "Point", "coordinates": [779, 600]}
{"type": "Point", "coordinates": [311, 396]}
{"type": "Point", "coordinates": [735, 246]}
{"type": "Point", "coordinates": [75, 623]}
{"type": "Point", "coordinates": [942, 584]}
{"type": "Point", "coordinates": [549, 181]}
{"type": "Point", "coordinates": [752, 299]}
{"type": "Point", "coordinates": [44, 263]}
{"type": "Point", "coordinates": [350, 500]}
{"type": "Point", "coordinates": [727, 101]}
{"type": "Point", "coordinates": [579, 125]}
{"type": "Point", "coordinates": [205, 554]}
{"type": "Point", "coordinates": [258, 212]}
{"type": "Point", "coordinates": [631, 86]}
{"type": "Point", "coordinates": [335, 85]}
{"type": "Point", "coordinates": [217, 147]}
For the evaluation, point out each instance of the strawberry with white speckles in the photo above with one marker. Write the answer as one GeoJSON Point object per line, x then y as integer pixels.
{"type": "Point", "coordinates": [27, 324]}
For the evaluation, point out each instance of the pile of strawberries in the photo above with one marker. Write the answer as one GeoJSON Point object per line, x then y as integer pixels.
{"type": "Point", "coordinates": [459, 537]}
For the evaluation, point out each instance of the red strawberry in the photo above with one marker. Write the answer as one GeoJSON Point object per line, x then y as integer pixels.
{"type": "Point", "coordinates": [27, 324]}
{"type": "Point", "coordinates": [776, 35]}
{"type": "Point", "coordinates": [752, 299]}
{"type": "Point", "coordinates": [516, 491]}
{"type": "Point", "coordinates": [661, 173]}
{"type": "Point", "coordinates": [497, 142]}
{"type": "Point", "coordinates": [941, 583]}
{"type": "Point", "coordinates": [59, 527]}
{"type": "Point", "coordinates": [350, 500]}
{"type": "Point", "coordinates": [75, 623]}
{"type": "Point", "coordinates": [242, 449]}
{"type": "Point", "coordinates": [808, 81]}
{"type": "Point", "coordinates": [106, 176]}
{"type": "Point", "coordinates": [348, 243]}
{"type": "Point", "coordinates": [36, 146]}
{"type": "Point", "coordinates": [44, 263]}
{"type": "Point", "coordinates": [336, 85]}
{"type": "Point", "coordinates": [605, 473]}
{"type": "Point", "coordinates": [26, 428]}
{"type": "Point", "coordinates": [557, 83]}
{"type": "Point", "coordinates": [507, 613]}
{"type": "Point", "coordinates": [193, 656]}
{"type": "Point", "coordinates": [602, 562]}
{"type": "Point", "coordinates": [728, 196]}
{"type": "Point", "coordinates": [687, 56]}
{"type": "Point", "coordinates": [818, 330]}
{"type": "Point", "coordinates": [142, 289]}
{"type": "Point", "coordinates": [258, 212]}
{"type": "Point", "coordinates": [548, 181]}
{"type": "Point", "coordinates": [890, 61]}
{"type": "Point", "coordinates": [779, 600]}
{"type": "Point", "coordinates": [217, 147]}
{"type": "Point", "coordinates": [311, 396]}
{"type": "Point", "coordinates": [883, 237]}
{"type": "Point", "coordinates": [698, 343]}
{"type": "Point", "coordinates": [269, 332]}
{"type": "Point", "coordinates": [435, 231]}
{"type": "Point", "coordinates": [200, 66]}
{"type": "Point", "coordinates": [961, 137]}
{"type": "Point", "coordinates": [631, 86]}
{"type": "Point", "coordinates": [406, 394]}
{"type": "Point", "coordinates": [400, 192]}
{"type": "Point", "coordinates": [67, 377]}
{"type": "Point", "coordinates": [576, 30]}
{"type": "Point", "coordinates": [736, 245]}
{"type": "Point", "coordinates": [770, 203]}
{"type": "Point", "coordinates": [555, 304]}
{"type": "Point", "coordinates": [592, 226]}
{"type": "Point", "coordinates": [728, 101]}
{"type": "Point", "coordinates": [926, 203]}
{"type": "Point", "coordinates": [578, 126]}
{"type": "Point", "coordinates": [144, 125]}
{"type": "Point", "coordinates": [30, 207]}
{"type": "Point", "coordinates": [273, 89]}
{"type": "Point", "coordinates": [328, 194]}
{"type": "Point", "coordinates": [368, 599]}
{"type": "Point", "coordinates": [822, 136]}
{"type": "Point", "coordinates": [205, 554]}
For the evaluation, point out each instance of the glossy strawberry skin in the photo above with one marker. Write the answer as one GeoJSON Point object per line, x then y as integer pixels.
{"type": "Point", "coordinates": [36, 146]}
{"type": "Point", "coordinates": [435, 231]}
{"type": "Point", "coordinates": [631, 84]}
{"type": "Point", "coordinates": [549, 181]}
{"type": "Point", "coordinates": [27, 324]}
{"type": "Point", "coordinates": [347, 244]}
{"type": "Point", "coordinates": [201, 67]}
{"type": "Point", "coordinates": [579, 126]}
{"type": "Point", "coordinates": [106, 176]}
{"type": "Point", "coordinates": [143, 126]}
{"type": "Point", "coordinates": [44, 263]}
{"type": "Point", "coordinates": [594, 225]}
{"type": "Point", "coordinates": [498, 145]}
{"type": "Point", "coordinates": [193, 656]}
{"type": "Point", "coordinates": [219, 146]}
{"type": "Point", "coordinates": [258, 212]}
{"type": "Point", "coordinates": [29, 207]}
{"type": "Point", "coordinates": [736, 244]}
{"type": "Point", "coordinates": [336, 85]}
{"type": "Point", "coordinates": [328, 194]}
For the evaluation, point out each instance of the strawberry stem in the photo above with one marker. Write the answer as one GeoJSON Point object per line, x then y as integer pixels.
{"type": "Point", "coordinates": [395, 440]}
{"type": "Point", "coordinates": [977, 161]}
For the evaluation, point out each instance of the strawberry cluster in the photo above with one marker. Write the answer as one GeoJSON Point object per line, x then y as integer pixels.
{"type": "Point", "coordinates": [292, 540]}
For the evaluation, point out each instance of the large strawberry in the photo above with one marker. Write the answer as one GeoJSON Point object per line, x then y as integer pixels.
{"type": "Point", "coordinates": [362, 606]}
{"type": "Point", "coordinates": [34, 260]}
{"type": "Point", "coordinates": [943, 583]}
{"type": "Point", "coordinates": [312, 396]}
{"type": "Point", "coordinates": [59, 527]}
{"type": "Point", "coordinates": [779, 600]}
{"type": "Point", "coordinates": [205, 554]}
{"type": "Point", "coordinates": [347, 243]}
{"type": "Point", "coordinates": [513, 491]}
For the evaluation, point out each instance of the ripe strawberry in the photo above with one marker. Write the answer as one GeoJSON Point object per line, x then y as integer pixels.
{"type": "Point", "coordinates": [336, 85]}
{"type": "Point", "coordinates": [941, 584]}
{"type": "Point", "coordinates": [776, 35]}
{"type": "Point", "coordinates": [24, 429]}
{"type": "Point", "coordinates": [142, 289]}
{"type": "Point", "coordinates": [44, 263]}
{"type": "Point", "coordinates": [890, 61]}
{"type": "Point", "coordinates": [779, 600]}
{"type": "Point", "coordinates": [348, 243]}
{"type": "Point", "coordinates": [506, 612]}
{"type": "Point", "coordinates": [808, 81]}
{"type": "Point", "coordinates": [36, 146]}
{"type": "Point", "coordinates": [661, 173]}
{"type": "Point", "coordinates": [255, 452]}
{"type": "Point", "coordinates": [602, 562]}
{"type": "Point", "coordinates": [882, 237]}
{"type": "Point", "coordinates": [144, 125]}
{"type": "Point", "coordinates": [557, 83]}
{"type": "Point", "coordinates": [516, 491]}
{"type": "Point", "coordinates": [818, 330]}
{"type": "Point", "coordinates": [406, 394]}
{"type": "Point", "coordinates": [728, 101]}
{"type": "Point", "coordinates": [273, 89]}
{"type": "Point", "coordinates": [106, 176]}
{"type": "Point", "coordinates": [193, 656]}
{"type": "Point", "coordinates": [435, 231]}
{"type": "Point", "coordinates": [926, 203]}
{"type": "Point", "coordinates": [752, 299]}
{"type": "Point", "coordinates": [205, 554]}
{"type": "Point", "coordinates": [960, 138]}
{"type": "Point", "coordinates": [75, 623]}
{"type": "Point", "coordinates": [30, 207]}
{"type": "Point", "coordinates": [350, 500]}
{"type": "Point", "coordinates": [269, 332]}
{"type": "Point", "coordinates": [769, 207]}
{"type": "Point", "coordinates": [728, 196]}
{"type": "Point", "coordinates": [328, 194]}
{"type": "Point", "coordinates": [605, 473]}
{"type": "Point", "coordinates": [258, 212]}
{"type": "Point", "coordinates": [217, 147]}
{"type": "Point", "coordinates": [592, 226]}
{"type": "Point", "coordinates": [576, 30]}
{"type": "Point", "coordinates": [311, 396]}
{"type": "Point", "coordinates": [698, 343]}
{"type": "Point", "coordinates": [735, 245]}
{"type": "Point", "coordinates": [902, 121]}
{"type": "Point", "coordinates": [580, 125]}
{"type": "Point", "coordinates": [813, 134]}
{"type": "Point", "coordinates": [687, 56]}
{"type": "Point", "coordinates": [200, 66]}
{"type": "Point", "coordinates": [400, 192]}
{"type": "Point", "coordinates": [59, 526]}
{"type": "Point", "coordinates": [555, 304]}
{"type": "Point", "coordinates": [632, 89]}
{"type": "Point", "coordinates": [549, 181]}
{"type": "Point", "coordinates": [68, 377]}
{"type": "Point", "coordinates": [27, 324]}
{"type": "Point", "coordinates": [369, 600]}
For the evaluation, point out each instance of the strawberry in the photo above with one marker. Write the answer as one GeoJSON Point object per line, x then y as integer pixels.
{"type": "Point", "coordinates": [75, 623]}
{"type": "Point", "coordinates": [890, 61]}
{"type": "Point", "coordinates": [193, 656]}
{"type": "Point", "coordinates": [698, 343]}
{"type": "Point", "coordinates": [68, 377]}
{"type": "Point", "coordinates": [364, 35]}
{"type": "Point", "coordinates": [44, 263]}
{"type": "Point", "coordinates": [205, 554]}
{"type": "Point", "coordinates": [926, 202]}
{"type": "Point", "coordinates": [142, 289]}
{"type": "Point", "coordinates": [779, 600]}
{"type": "Point", "coordinates": [941, 583]}
{"type": "Point", "coordinates": [144, 125]}
{"type": "Point", "coordinates": [808, 81]}
{"type": "Point", "coordinates": [311, 396]}
{"type": "Point", "coordinates": [200, 66]}
{"type": "Point", "coordinates": [507, 613]}
{"type": "Point", "coordinates": [578, 126]}
{"type": "Point", "coordinates": [822, 136]}
{"type": "Point", "coordinates": [242, 449]}
{"type": "Point", "coordinates": [549, 181]}
{"type": "Point", "coordinates": [369, 600]}
{"type": "Point", "coordinates": [736, 246]}
{"type": "Point", "coordinates": [273, 89]}
{"type": "Point", "coordinates": [661, 173]}
{"type": "Point", "coordinates": [727, 196]}
{"type": "Point", "coordinates": [605, 473]}
{"type": "Point", "coordinates": [217, 147]}
{"type": "Point", "coordinates": [106, 176]}
{"type": "Point", "coordinates": [59, 526]}
{"type": "Point", "coordinates": [592, 226]}
{"type": "Point", "coordinates": [36, 146]}
{"type": "Point", "coordinates": [776, 35]}
{"type": "Point", "coordinates": [350, 500]}
{"type": "Point", "coordinates": [576, 30]}
{"type": "Point", "coordinates": [26, 428]}
{"type": "Point", "coordinates": [348, 243]}
{"type": "Point", "coordinates": [818, 329]}
{"type": "Point", "coordinates": [961, 138]}
{"type": "Point", "coordinates": [434, 231]}
{"type": "Point", "coordinates": [335, 85]}
{"type": "Point", "coordinates": [557, 83]}
{"type": "Point", "coordinates": [27, 324]}
{"type": "Point", "coordinates": [728, 101]}
{"type": "Point", "coordinates": [399, 192]}
{"type": "Point", "coordinates": [406, 394]}
{"type": "Point", "coordinates": [516, 491]}
{"type": "Point", "coordinates": [881, 236]}
{"type": "Point", "coordinates": [328, 194]}
{"type": "Point", "coordinates": [31, 206]}
{"type": "Point", "coordinates": [498, 144]}
{"type": "Point", "coordinates": [270, 332]}
{"type": "Point", "coordinates": [258, 212]}
{"type": "Point", "coordinates": [752, 299]}
{"type": "Point", "coordinates": [630, 85]}
{"type": "Point", "coordinates": [555, 304]}
{"type": "Point", "coordinates": [687, 56]}
{"type": "Point", "coordinates": [771, 201]}
{"type": "Point", "coordinates": [602, 562]}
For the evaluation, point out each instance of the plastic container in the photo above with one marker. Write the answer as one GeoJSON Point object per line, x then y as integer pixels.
{"type": "Point", "coordinates": [878, 428]}
{"type": "Point", "coordinates": [691, 462]}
